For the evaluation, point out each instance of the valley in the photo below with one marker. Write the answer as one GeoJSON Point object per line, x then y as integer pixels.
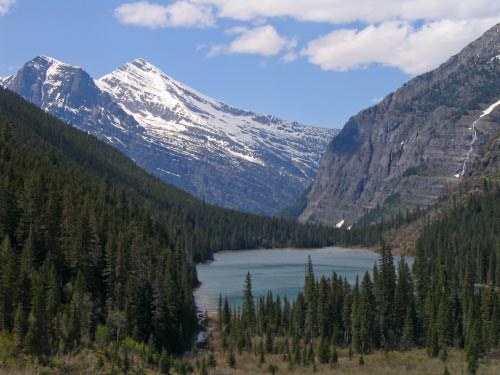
{"type": "Point", "coordinates": [147, 228]}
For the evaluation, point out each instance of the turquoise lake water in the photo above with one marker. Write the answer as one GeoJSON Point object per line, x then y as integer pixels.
{"type": "Point", "coordinates": [278, 270]}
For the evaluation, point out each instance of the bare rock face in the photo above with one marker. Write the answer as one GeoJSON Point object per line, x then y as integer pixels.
{"type": "Point", "coordinates": [228, 156]}
{"type": "Point", "coordinates": [402, 153]}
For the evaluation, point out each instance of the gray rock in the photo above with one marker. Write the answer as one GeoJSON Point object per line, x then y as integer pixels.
{"type": "Point", "coordinates": [403, 152]}
{"type": "Point", "coordinates": [227, 156]}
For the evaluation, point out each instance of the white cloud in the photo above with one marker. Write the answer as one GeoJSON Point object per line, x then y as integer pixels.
{"type": "Point", "coordinates": [178, 14]}
{"type": "Point", "coordinates": [412, 35]}
{"type": "Point", "coordinates": [347, 11]}
{"type": "Point", "coordinates": [390, 35]}
{"type": "Point", "coordinates": [397, 44]}
{"type": "Point", "coordinates": [5, 6]}
{"type": "Point", "coordinates": [262, 40]}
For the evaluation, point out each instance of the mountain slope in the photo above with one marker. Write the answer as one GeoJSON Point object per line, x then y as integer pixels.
{"type": "Point", "coordinates": [69, 93]}
{"type": "Point", "coordinates": [229, 157]}
{"type": "Point", "coordinates": [92, 245]}
{"type": "Point", "coordinates": [188, 222]}
{"type": "Point", "coordinates": [403, 152]}
{"type": "Point", "coordinates": [79, 242]}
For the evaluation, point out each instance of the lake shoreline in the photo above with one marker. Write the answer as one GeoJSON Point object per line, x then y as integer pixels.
{"type": "Point", "coordinates": [374, 249]}
{"type": "Point", "coordinates": [280, 270]}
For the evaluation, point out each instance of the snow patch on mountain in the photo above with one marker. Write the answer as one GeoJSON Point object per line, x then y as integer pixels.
{"type": "Point", "coordinates": [228, 156]}
{"type": "Point", "coordinates": [194, 123]}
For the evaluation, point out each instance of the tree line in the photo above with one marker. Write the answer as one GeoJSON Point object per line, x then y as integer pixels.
{"type": "Point", "coordinates": [394, 307]}
{"type": "Point", "coordinates": [93, 248]}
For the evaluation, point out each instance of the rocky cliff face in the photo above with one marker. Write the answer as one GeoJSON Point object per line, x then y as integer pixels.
{"type": "Point", "coordinates": [68, 92]}
{"type": "Point", "coordinates": [404, 151]}
{"type": "Point", "coordinates": [228, 156]}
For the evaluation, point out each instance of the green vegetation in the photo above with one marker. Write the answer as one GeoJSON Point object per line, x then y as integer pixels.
{"type": "Point", "coordinates": [373, 227]}
{"type": "Point", "coordinates": [411, 362]}
{"type": "Point", "coordinates": [95, 253]}
{"type": "Point", "coordinates": [82, 261]}
{"type": "Point", "coordinates": [188, 223]}
{"type": "Point", "coordinates": [97, 272]}
{"type": "Point", "coordinates": [435, 307]}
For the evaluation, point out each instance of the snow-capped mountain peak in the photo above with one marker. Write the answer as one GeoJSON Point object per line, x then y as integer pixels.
{"type": "Point", "coordinates": [172, 110]}
{"type": "Point", "coordinates": [45, 79]}
{"type": "Point", "coordinates": [69, 92]}
{"type": "Point", "coordinates": [159, 96]}
{"type": "Point", "coordinates": [231, 157]}
{"type": "Point", "coordinates": [50, 60]}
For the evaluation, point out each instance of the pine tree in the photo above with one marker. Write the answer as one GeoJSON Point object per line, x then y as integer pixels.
{"type": "Point", "coordinates": [37, 340]}
{"type": "Point", "coordinates": [219, 313]}
{"type": "Point", "coordinates": [248, 310]}
{"type": "Point", "coordinates": [432, 340]}
{"type": "Point", "coordinates": [473, 347]}
{"type": "Point", "coordinates": [311, 323]}
{"type": "Point", "coordinates": [19, 330]}
{"type": "Point", "coordinates": [355, 318]}
{"type": "Point", "coordinates": [269, 341]}
{"type": "Point", "coordinates": [407, 339]}
{"type": "Point", "coordinates": [8, 287]}
{"type": "Point", "coordinates": [53, 304]}
{"type": "Point", "coordinates": [403, 297]}
{"type": "Point", "coordinates": [366, 316]}
{"type": "Point", "coordinates": [226, 316]}
{"type": "Point", "coordinates": [324, 350]}
{"type": "Point", "coordinates": [324, 313]}
{"type": "Point", "coordinates": [53, 292]}
{"type": "Point", "coordinates": [385, 292]}
{"type": "Point", "coordinates": [444, 318]}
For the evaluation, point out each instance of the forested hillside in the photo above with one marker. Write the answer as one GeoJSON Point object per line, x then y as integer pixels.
{"type": "Point", "coordinates": [93, 247]}
{"type": "Point", "coordinates": [449, 300]}
{"type": "Point", "coordinates": [79, 253]}
{"type": "Point", "coordinates": [198, 227]}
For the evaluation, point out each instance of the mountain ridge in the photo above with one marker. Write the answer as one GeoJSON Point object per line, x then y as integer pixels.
{"type": "Point", "coordinates": [403, 152]}
{"type": "Point", "coordinates": [230, 157]}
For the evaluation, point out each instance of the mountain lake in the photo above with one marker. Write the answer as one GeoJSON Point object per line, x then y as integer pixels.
{"type": "Point", "coordinates": [278, 270]}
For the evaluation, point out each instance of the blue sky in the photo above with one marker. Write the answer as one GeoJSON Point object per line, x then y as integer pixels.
{"type": "Point", "coordinates": [314, 61]}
